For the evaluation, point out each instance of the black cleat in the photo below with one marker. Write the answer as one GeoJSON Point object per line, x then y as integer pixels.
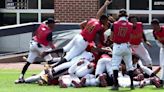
{"type": "Point", "coordinates": [115, 88]}
{"type": "Point", "coordinates": [20, 80]}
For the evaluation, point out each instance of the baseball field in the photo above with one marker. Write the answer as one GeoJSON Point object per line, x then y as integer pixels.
{"type": "Point", "coordinates": [10, 72]}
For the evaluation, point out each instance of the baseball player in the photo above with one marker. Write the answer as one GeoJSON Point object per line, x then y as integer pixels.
{"type": "Point", "coordinates": [158, 32]}
{"type": "Point", "coordinates": [139, 72]}
{"type": "Point", "coordinates": [80, 42]}
{"type": "Point", "coordinates": [120, 35]}
{"type": "Point", "coordinates": [41, 41]}
{"type": "Point", "coordinates": [76, 71]}
{"type": "Point", "coordinates": [84, 56]}
{"type": "Point", "coordinates": [137, 36]}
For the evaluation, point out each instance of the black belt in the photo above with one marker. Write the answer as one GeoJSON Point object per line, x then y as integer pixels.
{"type": "Point", "coordinates": [38, 44]}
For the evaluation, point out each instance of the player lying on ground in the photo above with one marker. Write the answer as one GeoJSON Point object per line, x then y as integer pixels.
{"type": "Point", "coordinates": [85, 55]}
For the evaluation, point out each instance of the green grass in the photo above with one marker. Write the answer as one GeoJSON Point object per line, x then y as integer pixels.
{"type": "Point", "coordinates": [7, 78]}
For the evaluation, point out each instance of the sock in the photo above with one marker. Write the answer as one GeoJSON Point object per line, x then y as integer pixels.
{"type": "Point", "coordinates": [131, 77]}
{"type": "Point", "coordinates": [24, 69]}
{"type": "Point", "coordinates": [115, 76]}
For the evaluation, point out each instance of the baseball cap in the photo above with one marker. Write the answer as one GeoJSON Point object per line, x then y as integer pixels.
{"type": "Point", "coordinates": [155, 21]}
{"type": "Point", "coordinates": [122, 11]}
{"type": "Point", "coordinates": [51, 20]}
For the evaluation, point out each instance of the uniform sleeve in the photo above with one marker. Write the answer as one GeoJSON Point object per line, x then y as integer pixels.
{"type": "Point", "coordinates": [49, 37]}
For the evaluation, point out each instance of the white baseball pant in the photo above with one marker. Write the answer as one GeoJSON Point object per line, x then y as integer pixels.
{"type": "Point", "coordinates": [85, 54]}
{"type": "Point", "coordinates": [121, 51]}
{"type": "Point", "coordinates": [91, 80]}
{"type": "Point", "coordinates": [81, 70]}
{"type": "Point", "coordinates": [161, 58]}
{"type": "Point", "coordinates": [124, 81]}
{"type": "Point", "coordinates": [162, 62]}
{"type": "Point", "coordinates": [104, 64]}
{"type": "Point", "coordinates": [34, 78]}
{"type": "Point", "coordinates": [142, 52]}
{"type": "Point", "coordinates": [67, 79]}
{"type": "Point", "coordinates": [35, 51]}
{"type": "Point", "coordinates": [144, 68]}
{"type": "Point", "coordinates": [76, 46]}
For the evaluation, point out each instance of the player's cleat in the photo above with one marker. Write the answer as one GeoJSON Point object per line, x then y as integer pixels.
{"type": "Point", "coordinates": [156, 81]}
{"type": "Point", "coordinates": [103, 81]}
{"type": "Point", "coordinates": [77, 85]}
{"type": "Point", "coordinates": [20, 80]}
{"type": "Point", "coordinates": [115, 88]}
{"type": "Point", "coordinates": [61, 84]}
{"type": "Point", "coordinates": [82, 82]}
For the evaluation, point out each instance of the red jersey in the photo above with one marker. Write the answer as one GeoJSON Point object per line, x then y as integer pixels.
{"type": "Point", "coordinates": [160, 35]}
{"type": "Point", "coordinates": [137, 34]}
{"type": "Point", "coordinates": [41, 34]}
{"type": "Point", "coordinates": [92, 27]}
{"type": "Point", "coordinates": [122, 31]}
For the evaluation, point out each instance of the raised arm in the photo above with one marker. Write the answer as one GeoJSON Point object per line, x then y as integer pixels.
{"type": "Point", "coordinates": [83, 24]}
{"type": "Point", "coordinates": [102, 9]}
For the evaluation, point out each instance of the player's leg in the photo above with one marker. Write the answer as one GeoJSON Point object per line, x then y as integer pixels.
{"type": "Point", "coordinates": [100, 67]}
{"type": "Point", "coordinates": [116, 60]}
{"type": "Point", "coordinates": [162, 64]}
{"type": "Point", "coordinates": [145, 69]}
{"type": "Point", "coordinates": [75, 81]}
{"type": "Point", "coordinates": [64, 81]}
{"type": "Point", "coordinates": [78, 47]}
{"type": "Point", "coordinates": [62, 66]}
{"type": "Point", "coordinates": [84, 70]}
{"type": "Point", "coordinates": [34, 78]}
{"type": "Point", "coordinates": [33, 53]}
{"type": "Point", "coordinates": [142, 52]}
{"type": "Point", "coordinates": [70, 44]}
{"type": "Point", "coordinates": [128, 62]}
{"type": "Point", "coordinates": [108, 65]}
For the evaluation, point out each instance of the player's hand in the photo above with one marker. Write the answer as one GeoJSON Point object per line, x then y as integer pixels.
{"type": "Point", "coordinates": [107, 49]}
{"type": "Point", "coordinates": [80, 63]}
{"type": "Point", "coordinates": [107, 2]}
{"type": "Point", "coordinates": [148, 44]}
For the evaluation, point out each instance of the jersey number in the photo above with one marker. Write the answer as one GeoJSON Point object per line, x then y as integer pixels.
{"type": "Point", "coordinates": [122, 31]}
{"type": "Point", "coordinates": [90, 28]}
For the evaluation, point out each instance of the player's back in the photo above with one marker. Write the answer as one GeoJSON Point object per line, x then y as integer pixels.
{"type": "Point", "coordinates": [92, 27]}
{"type": "Point", "coordinates": [122, 31]}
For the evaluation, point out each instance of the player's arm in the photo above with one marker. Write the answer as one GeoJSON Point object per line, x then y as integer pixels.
{"type": "Point", "coordinates": [83, 24]}
{"type": "Point", "coordinates": [111, 35]}
{"type": "Point", "coordinates": [102, 9]}
{"type": "Point", "coordinates": [146, 41]}
{"type": "Point", "coordinates": [49, 38]}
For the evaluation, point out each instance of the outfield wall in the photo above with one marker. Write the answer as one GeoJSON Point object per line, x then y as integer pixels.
{"type": "Point", "coordinates": [15, 39]}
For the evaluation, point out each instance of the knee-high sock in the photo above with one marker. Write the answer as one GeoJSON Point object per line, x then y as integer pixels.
{"type": "Point", "coordinates": [24, 69]}
{"type": "Point", "coordinates": [131, 77]}
{"type": "Point", "coordinates": [115, 77]}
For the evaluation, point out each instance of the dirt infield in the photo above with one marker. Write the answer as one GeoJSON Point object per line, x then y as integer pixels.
{"type": "Point", "coordinates": [19, 66]}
